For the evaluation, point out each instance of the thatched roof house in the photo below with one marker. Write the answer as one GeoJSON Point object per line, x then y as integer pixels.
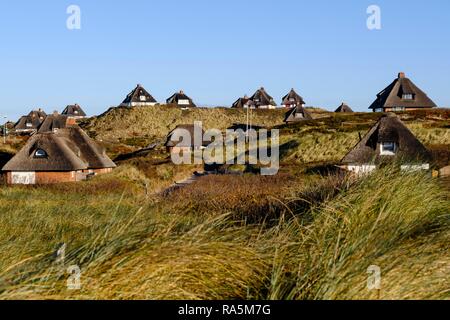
{"type": "Point", "coordinates": [174, 144]}
{"type": "Point", "coordinates": [54, 122]}
{"type": "Point", "coordinates": [66, 155]}
{"type": "Point", "coordinates": [262, 100]}
{"type": "Point", "coordinates": [180, 99]}
{"type": "Point", "coordinates": [389, 140]}
{"type": "Point", "coordinates": [344, 108]}
{"type": "Point", "coordinates": [138, 97]}
{"type": "Point", "coordinates": [292, 99]}
{"type": "Point", "coordinates": [30, 122]}
{"type": "Point", "coordinates": [242, 103]}
{"type": "Point", "coordinates": [74, 111]}
{"type": "Point", "coordinates": [297, 114]}
{"type": "Point", "coordinates": [401, 95]}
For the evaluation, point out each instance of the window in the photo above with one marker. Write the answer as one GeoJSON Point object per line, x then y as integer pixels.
{"type": "Point", "coordinates": [299, 115]}
{"type": "Point", "coordinates": [183, 102]}
{"type": "Point", "coordinates": [39, 153]}
{"type": "Point", "coordinates": [388, 148]}
{"type": "Point", "coordinates": [29, 124]}
{"type": "Point", "coordinates": [398, 109]}
{"type": "Point", "coordinates": [292, 100]}
{"type": "Point", "coordinates": [75, 112]}
{"type": "Point", "coordinates": [143, 98]}
{"type": "Point", "coordinates": [408, 96]}
{"type": "Point", "coordinates": [379, 110]}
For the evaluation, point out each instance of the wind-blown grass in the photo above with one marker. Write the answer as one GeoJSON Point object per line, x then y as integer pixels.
{"type": "Point", "coordinates": [130, 248]}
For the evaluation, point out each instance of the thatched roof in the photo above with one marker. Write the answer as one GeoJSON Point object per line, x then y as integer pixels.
{"type": "Point", "coordinates": [74, 111]}
{"type": "Point", "coordinates": [171, 141]}
{"type": "Point", "coordinates": [388, 129]}
{"type": "Point", "coordinates": [68, 149]}
{"type": "Point", "coordinates": [292, 98]}
{"type": "Point", "coordinates": [138, 96]}
{"type": "Point", "coordinates": [393, 95]}
{"type": "Point", "coordinates": [344, 108]}
{"type": "Point", "coordinates": [176, 97]}
{"type": "Point", "coordinates": [53, 122]}
{"type": "Point", "coordinates": [242, 102]}
{"type": "Point", "coordinates": [31, 121]}
{"type": "Point", "coordinates": [262, 98]}
{"type": "Point", "coordinates": [296, 114]}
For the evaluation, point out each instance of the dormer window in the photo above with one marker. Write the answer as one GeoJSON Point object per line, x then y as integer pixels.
{"type": "Point", "coordinates": [75, 112]}
{"type": "Point", "coordinates": [408, 96]}
{"type": "Point", "coordinates": [292, 100]}
{"type": "Point", "coordinates": [143, 98]}
{"type": "Point", "coordinates": [388, 148]}
{"type": "Point", "coordinates": [29, 124]}
{"type": "Point", "coordinates": [40, 153]}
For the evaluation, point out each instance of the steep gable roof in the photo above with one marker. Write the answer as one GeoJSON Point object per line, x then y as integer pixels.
{"type": "Point", "coordinates": [33, 119]}
{"type": "Point", "coordinates": [293, 97]}
{"type": "Point", "coordinates": [392, 95]}
{"type": "Point", "coordinates": [388, 129]}
{"type": "Point", "coordinates": [343, 108]}
{"type": "Point", "coordinates": [176, 97]}
{"type": "Point", "coordinates": [171, 141]}
{"type": "Point", "coordinates": [74, 111]}
{"type": "Point", "coordinates": [138, 95]}
{"type": "Point", "coordinates": [53, 122]}
{"type": "Point", "coordinates": [242, 102]}
{"type": "Point", "coordinates": [262, 98]}
{"type": "Point", "coordinates": [68, 149]}
{"type": "Point", "coordinates": [297, 114]}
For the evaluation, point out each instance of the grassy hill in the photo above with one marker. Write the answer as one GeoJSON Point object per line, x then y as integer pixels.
{"type": "Point", "coordinates": [301, 234]}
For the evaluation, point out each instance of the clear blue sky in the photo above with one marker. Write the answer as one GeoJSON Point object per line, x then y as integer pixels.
{"type": "Point", "coordinates": [218, 50]}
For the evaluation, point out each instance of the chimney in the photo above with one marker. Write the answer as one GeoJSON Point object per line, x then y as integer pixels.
{"type": "Point", "coordinates": [401, 75]}
{"type": "Point", "coordinates": [55, 113]}
{"type": "Point", "coordinates": [181, 92]}
{"type": "Point", "coordinates": [71, 121]}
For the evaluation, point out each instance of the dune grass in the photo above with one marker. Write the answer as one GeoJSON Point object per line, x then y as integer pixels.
{"type": "Point", "coordinates": [318, 244]}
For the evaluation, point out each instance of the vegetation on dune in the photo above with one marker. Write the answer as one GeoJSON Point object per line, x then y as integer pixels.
{"type": "Point", "coordinates": [197, 243]}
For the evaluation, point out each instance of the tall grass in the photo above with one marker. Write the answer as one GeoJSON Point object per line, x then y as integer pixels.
{"type": "Point", "coordinates": [136, 249]}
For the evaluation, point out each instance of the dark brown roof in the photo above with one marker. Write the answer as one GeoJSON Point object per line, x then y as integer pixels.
{"type": "Point", "coordinates": [241, 102]}
{"type": "Point", "coordinates": [68, 149]}
{"type": "Point", "coordinates": [171, 141]}
{"type": "Point", "coordinates": [392, 95]}
{"type": "Point", "coordinates": [53, 122]}
{"type": "Point", "coordinates": [262, 98]}
{"type": "Point", "coordinates": [34, 118]}
{"type": "Point", "coordinates": [292, 98]}
{"type": "Point", "coordinates": [296, 114]}
{"type": "Point", "coordinates": [176, 97]}
{"type": "Point", "coordinates": [74, 111]}
{"type": "Point", "coordinates": [135, 96]}
{"type": "Point", "coordinates": [344, 108]}
{"type": "Point", "coordinates": [388, 129]}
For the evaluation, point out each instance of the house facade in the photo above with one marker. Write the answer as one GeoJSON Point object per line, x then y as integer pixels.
{"type": "Point", "coordinates": [388, 141]}
{"type": "Point", "coordinates": [292, 100]}
{"type": "Point", "coordinates": [180, 99]}
{"type": "Point", "coordinates": [30, 123]}
{"type": "Point", "coordinates": [297, 114]}
{"type": "Point", "coordinates": [138, 97]}
{"type": "Point", "coordinates": [65, 155]}
{"type": "Point", "coordinates": [401, 95]}
{"type": "Point", "coordinates": [74, 111]}
{"type": "Point", "coordinates": [243, 103]}
{"type": "Point", "coordinates": [262, 100]}
{"type": "Point", "coordinates": [174, 144]}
